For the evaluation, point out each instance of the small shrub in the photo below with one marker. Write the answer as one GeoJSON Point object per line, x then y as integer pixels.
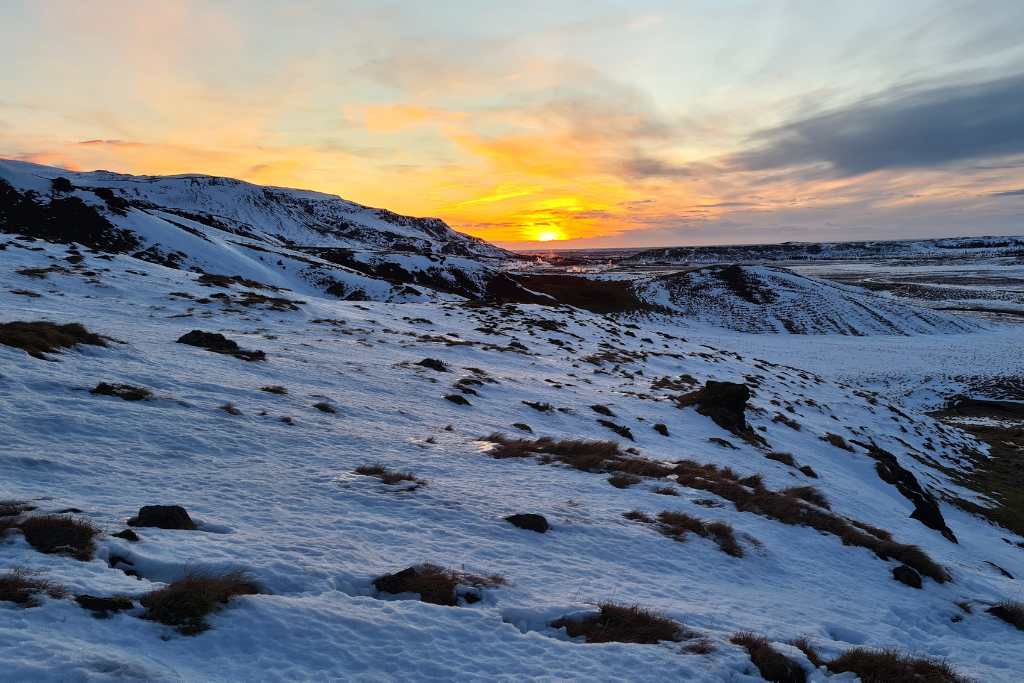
{"type": "Point", "coordinates": [772, 664]}
{"type": "Point", "coordinates": [622, 431]}
{"type": "Point", "coordinates": [886, 666]}
{"type": "Point", "coordinates": [388, 476]}
{"type": "Point", "coordinates": [677, 524]}
{"type": "Point", "coordinates": [274, 389]}
{"type": "Point", "coordinates": [187, 602]}
{"type": "Point", "coordinates": [436, 585]}
{"type": "Point", "coordinates": [23, 587]}
{"type": "Point", "coordinates": [809, 494]}
{"type": "Point", "coordinates": [623, 624]}
{"type": "Point", "coordinates": [60, 534]}
{"type": "Point", "coordinates": [230, 409]}
{"type": "Point", "coordinates": [837, 441]}
{"type": "Point", "coordinates": [805, 646]}
{"type": "Point", "coordinates": [784, 458]}
{"type": "Point", "coordinates": [126, 392]}
{"type": "Point", "coordinates": [1010, 612]}
{"type": "Point", "coordinates": [325, 407]}
{"type": "Point", "coordinates": [40, 337]}
{"type": "Point", "coordinates": [622, 481]}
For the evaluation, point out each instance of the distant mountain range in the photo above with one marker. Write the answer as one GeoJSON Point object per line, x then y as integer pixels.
{"type": "Point", "coordinates": [950, 247]}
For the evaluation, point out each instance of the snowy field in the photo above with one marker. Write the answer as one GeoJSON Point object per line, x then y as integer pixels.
{"type": "Point", "coordinates": [279, 499]}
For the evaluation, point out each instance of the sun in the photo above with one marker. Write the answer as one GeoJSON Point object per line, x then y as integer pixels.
{"type": "Point", "coordinates": [548, 236]}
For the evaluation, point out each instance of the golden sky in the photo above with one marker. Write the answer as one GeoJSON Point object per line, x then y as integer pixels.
{"type": "Point", "coordinates": [576, 124]}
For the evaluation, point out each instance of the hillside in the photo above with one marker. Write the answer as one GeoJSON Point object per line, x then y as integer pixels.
{"type": "Point", "coordinates": [785, 508]}
{"type": "Point", "coordinates": [304, 241]}
{"type": "Point", "coordinates": [944, 248]}
{"type": "Point", "coordinates": [766, 299]}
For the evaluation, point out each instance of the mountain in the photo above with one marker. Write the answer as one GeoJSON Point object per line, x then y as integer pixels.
{"type": "Point", "coordinates": [767, 299]}
{"type": "Point", "coordinates": [944, 248]}
{"type": "Point", "coordinates": [304, 241]}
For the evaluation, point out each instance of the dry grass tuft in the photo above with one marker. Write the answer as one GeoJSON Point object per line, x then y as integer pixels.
{"type": "Point", "coordinates": [837, 441]}
{"type": "Point", "coordinates": [23, 587]}
{"type": "Point", "coordinates": [40, 337]}
{"type": "Point", "coordinates": [230, 409]}
{"type": "Point", "coordinates": [677, 524]}
{"type": "Point", "coordinates": [772, 664]}
{"type": "Point", "coordinates": [388, 476]}
{"type": "Point", "coordinates": [437, 585]}
{"type": "Point", "coordinates": [805, 646]}
{"type": "Point", "coordinates": [187, 602]}
{"type": "Point", "coordinates": [623, 624]}
{"type": "Point", "coordinates": [886, 666]}
{"type": "Point", "coordinates": [61, 534]}
{"type": "Point", "coordinates": [622, 481]}
{"type": "Point", "coordinates": [784, 458]}
{"type": "Point", "coordinates": [666, 491]}
{"type": "Point", "coordinates": [1010, 612]}
{"type": "Point", "coordinates": [809, 494]}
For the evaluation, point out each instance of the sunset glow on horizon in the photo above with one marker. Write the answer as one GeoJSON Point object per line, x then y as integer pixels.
{"type": "Point", "coordinates": [597, 124]}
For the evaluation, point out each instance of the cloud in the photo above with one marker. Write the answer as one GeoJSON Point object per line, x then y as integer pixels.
{"type": "Point", "coordinates": [648, 167]}
{"type": "Point", "coordinates": [1009, 193]}
{"type": "Point", "coordinates": [903, 128]}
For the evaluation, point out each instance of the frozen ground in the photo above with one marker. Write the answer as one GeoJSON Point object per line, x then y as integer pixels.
{"type": "Point", "coordinates": [281, 500]}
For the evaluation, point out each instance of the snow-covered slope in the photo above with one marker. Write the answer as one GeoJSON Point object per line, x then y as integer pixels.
{"type": "Point", "coordinates": [943, 248]}
{"type": "Point", "coordinates": [305, 241]}
{"type": "Point", "coordinates": [769, 299]}
{"type": "Point", "coordinates": [279, 498]}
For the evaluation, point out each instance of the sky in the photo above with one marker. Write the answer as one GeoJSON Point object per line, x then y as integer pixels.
{"type": "Point", "coordinates": [554, 124]}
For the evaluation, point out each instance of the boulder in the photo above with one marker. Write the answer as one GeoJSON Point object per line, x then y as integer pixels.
{"type": "Point", "coordinates": [163, 517]}
{"type": "Point", "coordinates": [725, 403]}
{"type": "Point", "coordinates": [529, 521]}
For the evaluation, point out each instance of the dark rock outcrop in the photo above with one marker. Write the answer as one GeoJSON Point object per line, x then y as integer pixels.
{"type": "Point", "coordinates": [529, 521]}
{"type": "Point", "coordinates": [163, 517]}
{"type": "Point", "coordinates": [218, 343]}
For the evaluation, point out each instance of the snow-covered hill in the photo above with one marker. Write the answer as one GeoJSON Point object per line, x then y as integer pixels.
{"type": "Point", "coordinates": [770, 299]}
{"type": "Point", "coordinates": [304, 241]}
{"type": "Point", "coordinates": [263, 455]}
{"type": "Point", "coordinates": [943, 248]}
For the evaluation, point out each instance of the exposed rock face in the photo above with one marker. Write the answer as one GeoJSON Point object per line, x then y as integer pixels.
{"type": "Point", "coordinates": [163, 517]}
{"type": "Point", "coordinates": [529, 521]}
{"type": "Point", "coordinates": [218, 343]}
{"type": "Point", "coordinates": [725, 403]}
{"type": "Point", "coordinates": [906, 576]}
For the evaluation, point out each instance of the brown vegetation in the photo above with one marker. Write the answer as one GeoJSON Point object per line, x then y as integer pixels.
{"type": "Point", "coordinates": [187, 602]}
{"type": "Point", "coordinates": [274, 389]}
{"type": "Point", "coordinates": [23, 588]}
{"type": "Point", "coordinates": [1010, 612]}
{"type": "Point", "coordinates": [126, 392]}
{"type": "Point", "coordinates": [388, 476]}
{"type": "Point", "coordinates": [772, 664]}
{"type": "Point", "coordinates": [623, 624]}
{"type": "Point", "coordinates": [41, 337]}
{"type": "Point", "coordinates": [677, 524]}
{"type": "Point", "coordinates": [886, 666]}
{"type": "Point", "coordinates": [61, 534]}
{"type": "Point", "coordinates": [437, 585]}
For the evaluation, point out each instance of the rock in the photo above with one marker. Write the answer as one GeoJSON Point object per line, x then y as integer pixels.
{"type": "Point", "coordinates": [433, 364]}
{"type": "Point", "coordinates": [218, 343]}
{"type": "Point", "coordinates": [661, 429]}
{"type": "Point", "coordinates": [163, 517]}
{"type": "Point", "coordinates": [725, 403]}
{"type": "Point", "coordinates": [126, 392]}
{"type": "Point", "coordinates": [906, 576]}
{"type": "Point", "coordinates": [457, 400]}
{"type": "Point", "coordinates": [529, 521]}
{"type": "Point", "coordinates": [103, 607]}
{"type": "Point", "coordinates": [127, 535]}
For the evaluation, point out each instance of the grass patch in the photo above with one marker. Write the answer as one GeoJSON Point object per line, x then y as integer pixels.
{"type": "Point", "coordinates": [837, 441]}
{"type": "Point", "coordinates": [809, 494]}
{"type": "Point", "coordinates": [1010, 612]}
{"type": "Point", "coordinates": [185, 603]}
{"type": "Point", "coordinates": [748, 494]}
{"type": "Point", "coordinates": [62, 534]}
{"type": "Point", "coordinates": [23, 587]}
{"type": "Point", "coordinates": [809, 651]}
{"type": "Point", "coordinates": [581, 454]}
{"type": "Point", "coordinates": [666, 491]}
{"type": "Point", "coordinates": [388, 476]}
{"type": "Point", "coordinates": [623, 624]}
{"type": "Point", "coordinates": [622, 431]}
{"type": "Point", "coordinates": [772, 664]}
{"type": "Point", "coordinates": [620, 480]}
{"type": "Point", "coordinates": [886, 666]}
{"type": "Point", "coordinates": [437, 585]}
{"type": "Point", "coordinates": [40, 337]}
{"type": "Point", "coordinates": [678, 524]}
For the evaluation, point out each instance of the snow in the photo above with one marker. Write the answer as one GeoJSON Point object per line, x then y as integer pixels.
{"type": "Point", "coordinates": [280, 501]}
